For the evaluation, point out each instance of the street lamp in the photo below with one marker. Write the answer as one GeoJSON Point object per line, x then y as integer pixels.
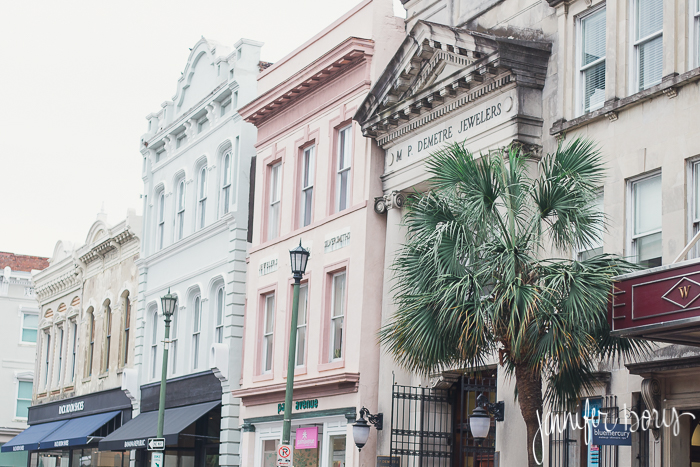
{"type": "Point", "coordinates": [299, 257]}
{"type": "Point", "coordinates": [480, 420]}
{"type": "Point", "coordinates": [167, 302]}
{"type": "Point", "coordinates": [360, 429]}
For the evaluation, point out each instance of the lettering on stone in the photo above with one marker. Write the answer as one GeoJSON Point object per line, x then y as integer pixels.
{"type": "Point", "coordinates": [267, 267]}
{"type": "Point", "coordinates": [337, 242]}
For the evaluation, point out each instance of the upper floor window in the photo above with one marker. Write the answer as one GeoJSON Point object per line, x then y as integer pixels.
{"type": "Point", "coordinates": [174, 325]}
{"type": "Point", "coordinates": [226, 183]}
{"type": "Point", "coordinates": [47, 359]}
{"type": "Point", "coordinates": [180, 139]}
{"type": "Point", "coordinates": [235, 99]}
{"type": "Point", "coordinates": [648, 42]}
{"type": "Point", "coordinates": [343, 175]}
{"type": "Point", "coordinates": [646, 246]}
{"type": "Point", "coordinates": [696, 28]}
{"type": "Point", "coordinates": [74, 347]}
{"type": "Point", "coordinates": [60, 355]}
{"type": "Point", "coordinates": [108, 335]}
{"type": "Point", "coordinates": [219, 330]}
{"type": "Point", "coordinates": [225, 106]}
{"type": "Point", "coordinates": [275, 183]}
{"type": "Point", "coordinates": [127, 328]}
{"type": "Point", "coordinates": [202, 124]}
{"type": "Point", "coordinates": [592, 61]}
{"type": "Point", "coordinates": [180, 214]}
{"type": "Point", "coordinates": [202, 197]}
{"type": "Point", "coordinates": [337, 315]}
{"type": "Point", "coordinates": [160, 154]}
{"type": "Point", "coordinates": [154, 343]}
{"type": "Point", "coordinates": [307, 186]}
{"type": "Point", "coordinates": [91, 347]}
{"type": "Point", "coordinates": [596, 247]}
{"type": "Point", "coordinates": [196, 331]}
{"type": "Point", "coordinates": [160, 230]}
{"type": "Point", "coordinates": [30, 321]}
{"type": "Point", "coordinates": [267, 334]}
{"type": "Point", "coordinates": [300, 359]}
{"type": "Point", "coordinates": [24, 399]}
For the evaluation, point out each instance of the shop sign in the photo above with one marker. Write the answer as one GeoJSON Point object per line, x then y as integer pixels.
{"type": "Point", "coordinates": [77, 406]}
{"type": "Point", "coordinates": [386, 461]}
{"type": "Point", "coordinates": [284, 455]}
{"type": "Point", "coordinates": [300, 405]}
{"type": "Point", "coordinates": [135, 443]}
{"type": "Point", "coordinates": [307, 438]}
{"type": "Point", "coordinates": [337, 241]}
{"type": "Point", "coordinates": [616, 434]}
{"type": "Point", "coordinates": [267, 266]}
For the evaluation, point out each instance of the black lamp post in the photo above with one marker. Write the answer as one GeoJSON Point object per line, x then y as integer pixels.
{"type": "Point", "coordinates": [168, 302]}
{"type": "Point", "coordinates": [299, 257]}
{"type": "Point", "coordinates": [361, 429]}
{"type": "Point", "coordinates": [480, 420]}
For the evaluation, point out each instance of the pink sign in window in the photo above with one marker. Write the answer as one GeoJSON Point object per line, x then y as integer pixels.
{"type": "Point", "coordinates": [307, 438]}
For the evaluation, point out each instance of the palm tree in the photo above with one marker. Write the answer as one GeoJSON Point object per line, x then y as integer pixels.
{"type": "Point", "coordinates": [478, 277]}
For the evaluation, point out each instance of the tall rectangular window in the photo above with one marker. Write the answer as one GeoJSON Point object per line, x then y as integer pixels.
{"type": "Point", "coordinates": [127, 328]}
{"type": "Point", "coordinates": [91, 350]}
{"type": "Point", "coordinates": [160, 154]}
{"type": "Point", "coordinates": [337, 315]}
{"type": "Point", "coordinates": [301, 325]}
{"type": "Point", "coordinates": [108, 336]}
{"type": "Point", "coordinates": [268, 327]}
{"type": "Point", "coordinates": [307, 186]}
{"type": "Point", "coordinates": [202, 124]}
{"type": "Point", "coordinates": [24, 398]}
{"type": "Point", "coordinates": [30, 321]}
{"type": "Point", "coordinates": [219, 331]}
{"type": "Point", "coordinates": [174, 325]}
{"type": "Point", "coordinates": [234, 169]}
{"type": "Point", "coordinates": [235, 99]}
{"type": "Point", "coordinates": [275, 182]}
{"type": "Point", "coordinates": [47, 354]}
{"type": "Point", "coordinates": [60, 356]}
{"type": "Point", "coordinates": [696, 31]}
{"type": "Point", "coordinates": [180, 215]}
{"type": "Point", "coordinates": [592, 61]}
{"type": "Point", "coordinates": [74, 332]}
{"type": "Point", "coordinates": [180, 139]}
{"type": "Point", "coordinates": [225, 106]}
{"type": "Point", "coordinates": [648, 42]}
{"type": "Point", "coordinates": [596, 248]}
{"type": "Point", "coordinates": [202, 198]}
{"type": "Point", "coordinates": [196, 331]}
{"type": "Point", "coordinates": [226, 183]}
{"type": "Point", "coordinates": [154, 343]}
{"type": "Point", "coordinates": [161, 220]}
{"type": "Point", "coordinates": [646, 221]}
{"type": "Point", "coordinates": [342, 195]}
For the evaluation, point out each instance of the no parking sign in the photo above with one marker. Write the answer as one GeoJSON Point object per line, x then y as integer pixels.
{"type": "Point", "coordinates": [284, 455]}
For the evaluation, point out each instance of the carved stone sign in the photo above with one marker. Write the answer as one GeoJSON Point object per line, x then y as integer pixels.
{"type": "Point", "coordinates": [336, 241]}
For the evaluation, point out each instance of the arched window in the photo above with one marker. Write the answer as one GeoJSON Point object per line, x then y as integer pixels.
{"type": "Point", "coordinates": [226, 183]}
{"type": "Point", "coordinates": [202, 198]}
{"type": "Point", "coordinates": [127, 328]}
{"type": "Point", "coordinates": [108, 336]}
{"type": "Point", "coordinates": [219, 330]}
{"type": "Point", "coordinates": [196, 331]}
{"type": "Point", "coordinates": [180, 214]}
{"type": "Point", "coordinates": [160, 230]}
{"type": "Point", "coordinates": [154, 342]}
{"type": "Point", "coordinates": [91, 348]}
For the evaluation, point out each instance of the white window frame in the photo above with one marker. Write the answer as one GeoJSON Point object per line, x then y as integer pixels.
{"type": "Point", "coordinates": [19, 380]}
{"type": "Point", "coordinates": [201, 123]}
{"type": "Point", "coordinates": [47, 358]}
{"type": "Point", "coordinates": [339, 170]}
{"type": "Point", "coordinates": [159, 154]}
{"type": "Point", "coordinates": [694, 48]}
{"type": "Point", "coordinates": [302, 324]}
{"type": "Point", "coordinates": [24, 313]}
{"type": "Point", "coordinates": [220, 312]}
{"type": "Point", "coordinates": [693, 201]}
{"type": "Point", "coordinates": [154, 343]}
{"type": "Point", "coordinates": [60, 335]}
{"type": "Point", "coordinates": [172, 352]}
{"type": "Point", "coordinates": [226, 182]}
{"type": "Point", "coordinates": [636, 47]}
{"type": "Point", "coordinates": [274, 200]}
{"type": "Point", "coordinates": [160, 219]}
{"type": "Point", "coordinates": [180, 139]}
{"type": "Point", "coordinates": [126, 330]}
{"type": "Point", "coordinates": [631, 236]}
{"type": "Point", "coordinates": [306, 184]}
{"type": "Point", "coordinates": [580, 81]}
{"type": "Point", "coordinates": [235, 99]}
{"type": "Point", "coordinates": [225, 105]}
{"type": "Point", "coordinates": [74, 349]}
{"type": "Point", "coordinates": [341, 317]}
{"type": "Point", "coordinates": [180, 203]}
{"type": "Point", "coordinates": [268, 336]}
{"type": "Point", "coordinates": [202, 197]}
{"type": "Point", "coordinates": [196, 330]}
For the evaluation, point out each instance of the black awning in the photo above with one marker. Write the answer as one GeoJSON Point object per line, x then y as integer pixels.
{"type": "Point", "coordinates": [135, 433]}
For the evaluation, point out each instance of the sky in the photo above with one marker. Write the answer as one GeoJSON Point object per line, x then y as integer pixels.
{"type": "Point", "coordinates": [77, 79]}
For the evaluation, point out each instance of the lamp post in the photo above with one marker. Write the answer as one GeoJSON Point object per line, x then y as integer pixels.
{"type": "Point", "coordinates": [299, 257]}
{"type": "Point", "coordinates": [168, 302]}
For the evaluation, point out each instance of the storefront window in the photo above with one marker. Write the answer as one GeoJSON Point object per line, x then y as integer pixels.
{"type": "Point", "coordinates": [269, 455]}
{"type": "Point", "coordinates": [94, 458]}
{"type": "Point", "coordinates": [50, 459]}
{"type": "Point", "coordinates": [337, 451]}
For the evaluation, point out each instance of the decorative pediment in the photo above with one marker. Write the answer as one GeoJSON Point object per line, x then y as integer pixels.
{"type": "Point", "coordinates": [438, 67]}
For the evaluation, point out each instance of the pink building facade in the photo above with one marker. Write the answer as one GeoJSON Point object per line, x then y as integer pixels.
{"type": "Point", "coordinates": [316, 180]}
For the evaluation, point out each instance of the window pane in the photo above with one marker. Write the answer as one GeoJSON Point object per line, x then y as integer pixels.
{"type": "Point", "coordinates": [268, 353]}
{"type": "Point", "coordinates": [696, 180]}
{"type": "Point", "coordinates": [269, 313]}
{"type": "Point", "coordinates": [31, 321]}
{"type": "Point", "coordinates": [647, 205]}
{"type": "Point", "coordinates": [650, 17]}
{"type": "Point", "coordinates": [220, 307]}
{"type": "Point", "coordinates": [338, 294]}
{"type": "Point", "coordinates": [301, 346]}
{"type": "Point", "coordinates": [593, 37]}
{"type": "Point", "coordinates": [23, 408]}
{"type": "Point", "coordinates": [594, 87]}
{"type": "Point", "coordinates": [24, 390]}
{"type": "Point", "coordinates": [269, 453]}
{"type": "Point", "coordinates": [29, 335]}
{"type": "Point", "coordinates": [343, 190]}
{"type": "Point", "coordinates": [649, 250]}
{"type": "Point", "coordinates": [227, 169]}
{"type": "Point", "coordinates": [303, 302]}
{"type": "Point", "coordinates": [306, 206]}
{"type": "Point", "coordinates": [274, 221]}
{"type": "Point", "coordinates": [337, 351]}
{"type": "Point", "coordinates": [650, 62]}
{"type": "Point", "coordinates": [202, 183]}
{"type": "Point", "coordinates": [337, 451]}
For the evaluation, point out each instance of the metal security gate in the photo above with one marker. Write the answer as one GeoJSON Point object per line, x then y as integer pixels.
{"type": "Point", "coordinates": [421, 426]}
{"type": "Point", "coordinates": [474, 453]}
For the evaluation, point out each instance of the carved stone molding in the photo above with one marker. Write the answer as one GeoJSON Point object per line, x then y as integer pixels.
{"type": "Point", "coordinates": [651, 394]}
{"type": "Point", "coordinates": [395, 199]}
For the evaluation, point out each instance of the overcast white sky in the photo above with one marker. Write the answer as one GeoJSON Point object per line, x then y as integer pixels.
{"type": "Point", "coordinates": [77, 79]}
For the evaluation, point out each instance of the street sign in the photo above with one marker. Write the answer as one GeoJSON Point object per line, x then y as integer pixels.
{"type": "Point", "coordinates": [156, 444]}
{"type": "Point", "coordinates": [157, 459]}
{"type": "Point", "coordinates": [284, 455]}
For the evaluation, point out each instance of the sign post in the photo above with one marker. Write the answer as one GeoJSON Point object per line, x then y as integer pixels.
{"type": "Point", "coordinates": [157, 459]}
{"type": "Point", "coordinates": [284, 455]}
{"type": "Point", "coordinates": [156, 444]}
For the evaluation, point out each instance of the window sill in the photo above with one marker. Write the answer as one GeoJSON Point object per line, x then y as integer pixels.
{"type": "Point", "coordinates": [669, 86]}
{"type": "Point", "coordinates": [27, 344]}
{"type": "Point", "coordinates": [263, 377]}
{"type": "Point", "coordinates": [19, 420]}
{"type": "Point", "coordinates": [103, 375]}
{"type": "Point", "coordinates": [334, 365]}
{"type": "Point", "coordinates": [86, 380]}
{"type": "Point", "coordinates": [120, 370]}
{"type": "Point", "coordinates": [300, 370]}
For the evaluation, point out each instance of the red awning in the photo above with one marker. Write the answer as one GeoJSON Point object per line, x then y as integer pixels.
{"type": "Point", "coordinates": [661, 304]}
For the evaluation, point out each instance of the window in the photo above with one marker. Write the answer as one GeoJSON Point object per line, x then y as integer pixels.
{"type": "Point", "coordinates": [226, 184]}
{"type": "Point", "coordinates": [173, 340]}
{"type": "Point", "coordinates": [239, 54]}
{"type": "Point", "coordinates": [202, 198]}
{"type": "Point", "coordinates": [160, 153]}
{"type": "Point", "coordinates": [646, 221]}
{"type": "Point", "coordinates": [300, 359]}
{"type": "Point", "coordinates": [47, 353]}
{"type": "Point", "coordinates": [91, 348]}
{"type": "Point", "coordinates": [275, 180]}
{"type": "Point", "coordinates": [596, 248]}
{"type": "Point", "coordinates": [234, 179]}
{"type": "Point", "coordinates": [696, 27]}
{"type": "Point", "coordinates": [196, 331]}
{"type": "Point", "coordinates": [307, 186]}
{"type": "Point", "coordinates": [161, 219]}
{"type": "Point", "coordinates": [269, 452]}
{"type": "Point", "coordinates": [337, 315]}
{"type": "Point", "coordinates": [235, 99]}
{"type": "Point", "coordinates": [154, 343]}
{"type": "Point", "coordinates": [219, 331]}
{"type": "Point", "coordinates": [180, 139]}
{"type": "Point", "coordinates": [343, 177]}
{"type": "Point", "coordinates": [225, 106]}
{"type": "Point", "coordinates": [648, 42]}
{"type": "Point", "coordinates": [30, 322]}
{"type": "Point", "coordinates": [180, 215]}
{"type": "Point", "coordinates": [74, 332]}
{"type": "Point", "coordinates": [108, 336]}
{"type": "Point", "coordinates": [592, 61]}
{"type": "Point", "coordinates": [202, 124]}
{"type": "Point", "coordinates": [268, 327]}
{"type": "Point", "coordinates": [60, 356]}
{"type": "Point", "coordinates": [24, 398]}
{"type": "Point", "coordinates": [336, 452]}
{"type": "Point", "coordinates": [127, 326]}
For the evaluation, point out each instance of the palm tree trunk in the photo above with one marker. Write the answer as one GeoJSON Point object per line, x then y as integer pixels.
{"type": "Point", "coordinates": [529, 385]}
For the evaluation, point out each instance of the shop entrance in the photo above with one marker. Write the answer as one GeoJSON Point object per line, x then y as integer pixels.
{"type": "Point", "coordinates": [695, 439]}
